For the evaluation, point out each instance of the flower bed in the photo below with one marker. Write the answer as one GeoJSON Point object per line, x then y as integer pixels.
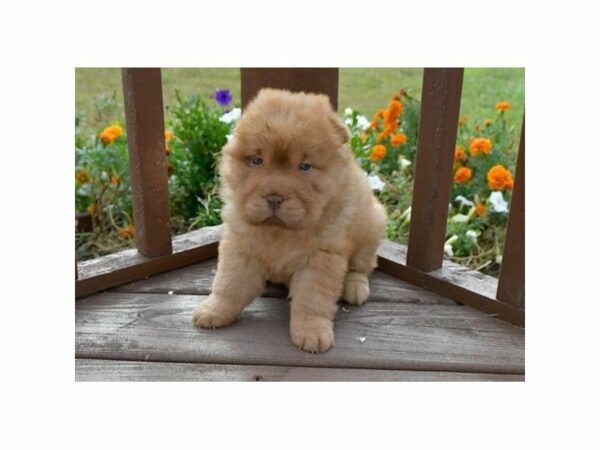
{"type": "Point", "coordinates": [385, 147]}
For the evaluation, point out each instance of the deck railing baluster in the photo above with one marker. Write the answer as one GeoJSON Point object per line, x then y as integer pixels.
{"type": "Point", "coordinates": [438, 123]}
{"type": "Point", "coordinates": [142, 92]}
{"type": "Point", "coordinates": [321, 80]}
{"type": "Point", "coordinates": [511, 286]}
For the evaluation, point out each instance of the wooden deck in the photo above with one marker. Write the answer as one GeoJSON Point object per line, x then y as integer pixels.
{"type": "Point", "coordinates": [143, 331]}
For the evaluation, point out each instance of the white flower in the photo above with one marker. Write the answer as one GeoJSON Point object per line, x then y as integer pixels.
{"type": "Point", "coordinates": [362, 123]}
{"type": "Point", "coordinates": [464, 201]}
{"type": "Point", "coordinates": [460, 218]}
{"type": "Point", "coordinates": [348, 121]}
{"type": "Point", "coordinates": [448, 245]}
{"type": "Point", "coordinates": [499, 259]}
{"type": "Point", "coordinates": [375, 182]}
{"type": "Point", "coordinates": [404, 163]}
{"type": "Point", "coordinates": [229, 137]}
{"type": "Point", "coordinates": [348, 111]}
{"type": "Point", "coordinates": [499, 205]}
{"type": "Point", "coordinates": [231, 116]}
{"type": "Point", "coordinates": [473, 235]}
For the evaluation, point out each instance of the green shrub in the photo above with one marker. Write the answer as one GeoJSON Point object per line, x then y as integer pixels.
{"type": "Point", "coordinates": [198, 138]}
{"type": "Point", "coordinates": [194, 137]}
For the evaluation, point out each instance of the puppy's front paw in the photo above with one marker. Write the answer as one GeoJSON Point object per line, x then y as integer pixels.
{"type": "Point", "coordinates": [312, 334]}
{"type": "Point", "coordinates": [214, 313]}
{"type": "Point", "coordinates": [356, 289]}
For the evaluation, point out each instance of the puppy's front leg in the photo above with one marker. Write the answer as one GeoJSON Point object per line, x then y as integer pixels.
{"type": "Point", "coordinates": [315, 290]}
{"type": "Point", "coordinates": [239, 280]}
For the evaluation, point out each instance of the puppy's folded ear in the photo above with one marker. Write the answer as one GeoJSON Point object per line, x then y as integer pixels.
{"type": "Point", "coordinates": [339, 128]}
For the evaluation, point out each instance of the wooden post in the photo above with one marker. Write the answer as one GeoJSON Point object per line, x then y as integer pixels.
{"type": "Point", "coordinates": [511, 286]}
{"type": "Point", "coordinates": [320, 81]}
{"type": "Point", "coordinates": [142, 92]}
{"type": "Point", "coordinates": [440, 107]}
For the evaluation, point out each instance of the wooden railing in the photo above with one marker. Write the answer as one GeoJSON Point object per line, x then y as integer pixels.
{"type": "Point", "coordinates": [420, 263]}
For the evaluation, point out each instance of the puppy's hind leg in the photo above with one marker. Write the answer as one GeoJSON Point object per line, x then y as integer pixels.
{"type": "Point", "coordinates": [239, 280]}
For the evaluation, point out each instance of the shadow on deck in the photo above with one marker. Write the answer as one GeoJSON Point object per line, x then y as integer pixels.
{"type": "Point", "coordinates": [143, 331]}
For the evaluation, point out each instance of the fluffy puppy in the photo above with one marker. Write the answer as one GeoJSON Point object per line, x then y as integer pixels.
{"type": "Point", "coordinates": [299, 211]}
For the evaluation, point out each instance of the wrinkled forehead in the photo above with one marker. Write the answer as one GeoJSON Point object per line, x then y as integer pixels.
{"type": "Point", "coordinates": [290, 137]}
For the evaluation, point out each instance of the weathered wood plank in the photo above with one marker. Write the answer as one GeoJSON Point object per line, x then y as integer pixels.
{"type": "Point", "coordinates": [452, 280]}
{"type": "Point", "coordinates": [144, 116]}
{"type": "Point", "coordinates": [318, 80]}
{"type": "Point", "coordinates": [511, 287]}
{"type": "Point", "coordinates": [111, 370]}
{"type": "Point", "coordinates": [440, 106]}
{"type": "Point", "coordinates": [128, 265]}
{"type": "Point", "coordinates": [158, 327]}
{"type": "Point", "coordinates": [197, 280]}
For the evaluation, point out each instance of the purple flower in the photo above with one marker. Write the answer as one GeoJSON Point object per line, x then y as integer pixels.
{"type": "Point", "coordinates": [223, 97]}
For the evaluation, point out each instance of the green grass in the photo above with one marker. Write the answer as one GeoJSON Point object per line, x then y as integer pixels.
{"type": "Point", "coordinates": [365, 90]}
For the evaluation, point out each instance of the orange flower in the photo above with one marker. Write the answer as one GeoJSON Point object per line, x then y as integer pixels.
{"type": "Point", "coordinates": [463, 175]}
{"type": "Point", "coordinates": [487, 122]}
{"type": "Point", "coordinates": [482, 145]}
{"type": "Point", "coordinates": [390, 115]}
{"type": "Point", "coordinates": [398, 139]}
{"type": "Point", "coordinates": [480, 209]}
{"type": "Point", "coordinates": [111, 134]}
{"type": "Point", "coordinates": [169, 135]}
{"type": "Point", "coordinates": [82, 177]}
{"type": "Point", "coordinates": [378, 152]}
{"type": "Point", "coordinates": [499, 178]}
{"type": "Point", "coordinates": [167, 149]}
{"type": "Point", "coordinates": [374, 124]}
{"type": "Point", "coordinates": [388, 129]}
{"type": "Point", "coordinates": [378, 114]}
{"type": "Point", "coordinates": [363, 137]}
{"type": "Point", "coordinates": [115, 179]}
{"type": "Point", "coordinates": [459, 154]}
{"type": "Point", "coordinates": [502, 106]}
{"type": "Point", "coordinates": [127, 232]}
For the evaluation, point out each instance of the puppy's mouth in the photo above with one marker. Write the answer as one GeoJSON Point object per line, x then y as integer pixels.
{"type": "Point", "coordinates": [274, 220]}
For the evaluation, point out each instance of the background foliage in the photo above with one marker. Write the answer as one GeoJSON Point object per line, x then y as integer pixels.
{"type": "Point", "coordinates": [196, 133]}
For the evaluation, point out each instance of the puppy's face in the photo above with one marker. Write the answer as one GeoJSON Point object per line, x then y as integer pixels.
{"type": "Point", "coordinates": [284, 163]}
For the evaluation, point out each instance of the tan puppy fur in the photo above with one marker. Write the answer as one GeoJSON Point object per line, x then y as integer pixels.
{"type": "Point", "coordinates": [317, 230]}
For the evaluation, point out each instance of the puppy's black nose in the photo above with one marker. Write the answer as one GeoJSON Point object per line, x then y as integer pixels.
{"type": "Point", "coordinates": [274, 200]}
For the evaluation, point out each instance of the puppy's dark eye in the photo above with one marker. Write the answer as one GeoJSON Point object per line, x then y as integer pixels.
{"type": "Point", "coordinates": [256, 161]}
{"type": "Point", "coordinates": [305, 167]}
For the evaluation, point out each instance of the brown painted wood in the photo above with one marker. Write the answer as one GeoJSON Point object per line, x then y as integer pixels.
{"type": "Point", "coordinates": [316, 80]}
{"type": "Point", "coordinates": [128, 265]}
{"type": "Point", "coordinates": [197, 280]}
{"type": "Point", "coordinates": [511, 287]}
{"type": "Point", "coordinates": [440, 107]}
{"type": "Point", "coordinates": [158, 327]}
{"type": "Point", "coordinates": [111, 370]}
{"type": "Point", "coordinates": [142, 92]}
{"type": "Point", "coordinates": [452, 280]}
{"type": "Point", "coordinates": [84, 222]}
